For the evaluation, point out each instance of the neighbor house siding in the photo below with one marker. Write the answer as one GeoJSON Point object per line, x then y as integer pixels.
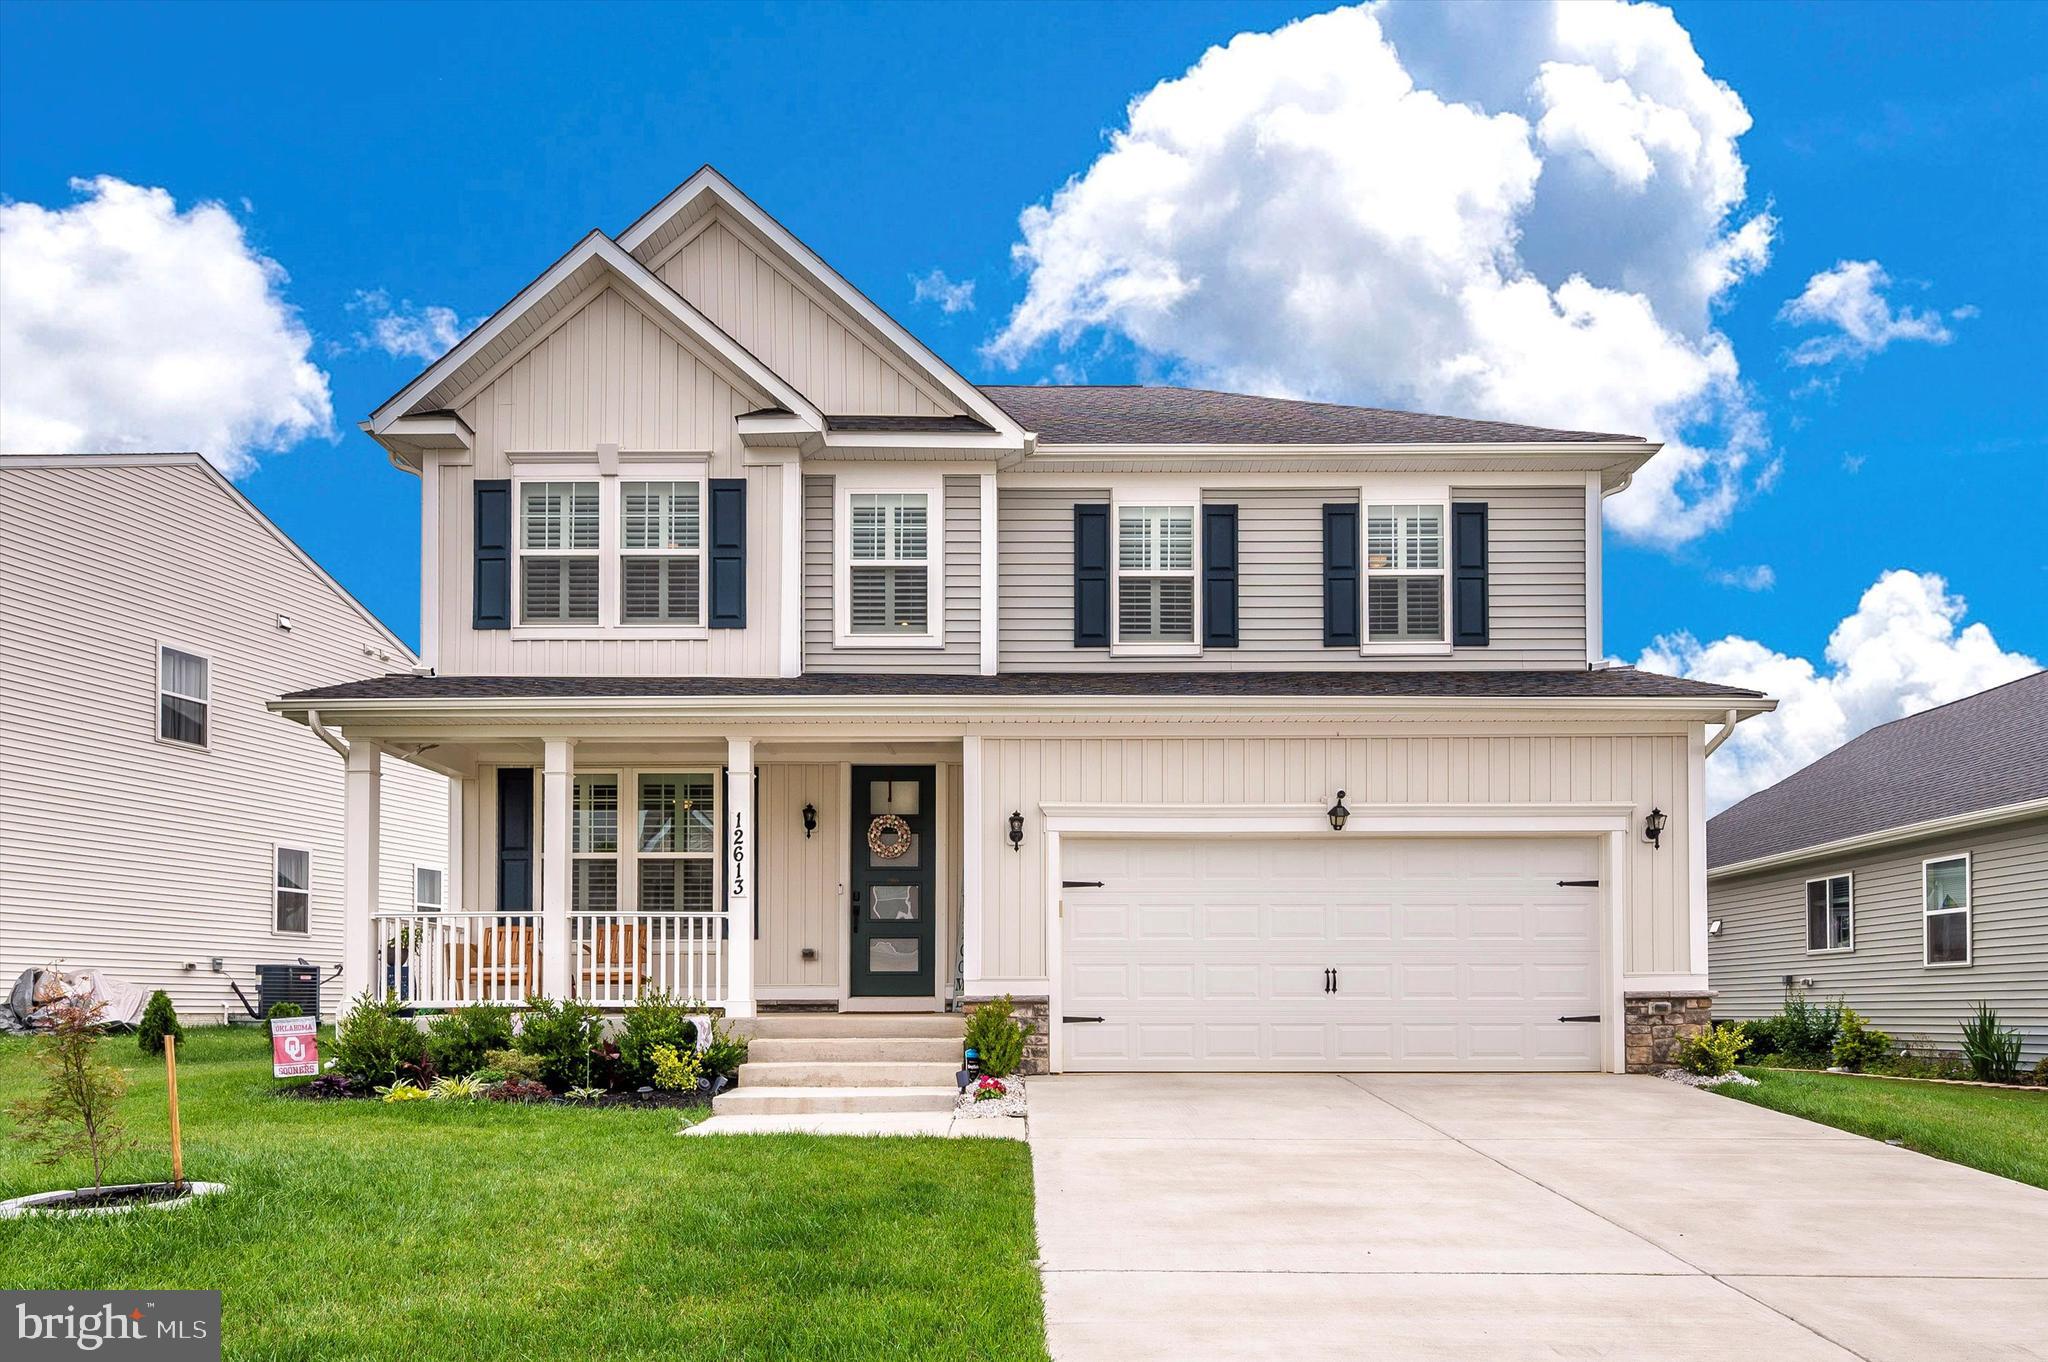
{"type": "Point", "coordinates": [1022, 773]}
{"type": "Point", "coordinates": [962, 588]}
{"type": "Point", "coordinates": [1763, 939]}
{"type": "Point", "coordinates": [121, 853]}
{"type": "Point", "coordinates": [1536, 538]}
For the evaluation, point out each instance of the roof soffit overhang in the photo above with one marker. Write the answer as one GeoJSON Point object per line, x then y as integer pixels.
{"type": "Point", "coordinates": [1616, 462]}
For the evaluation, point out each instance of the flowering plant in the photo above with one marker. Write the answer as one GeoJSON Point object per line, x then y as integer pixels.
{"type": "Point", "coordinates": [987, 1089]}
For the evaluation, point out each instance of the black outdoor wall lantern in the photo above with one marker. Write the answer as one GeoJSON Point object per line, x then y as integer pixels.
{"type": "Point", "coordinates": [1016, 832]}
{"type": "Point", "coordinates": [1653, 828]}
{"type": "Point", "coordinates": [1338, 813]}
{"type": "Point", "coordinates": [810, 819]}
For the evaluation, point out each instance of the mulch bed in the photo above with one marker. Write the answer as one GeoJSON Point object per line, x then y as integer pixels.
{"type": "Point", "coordinates": [656, 1100]}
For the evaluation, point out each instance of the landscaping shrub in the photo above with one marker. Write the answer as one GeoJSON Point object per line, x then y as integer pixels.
{"type": "Point", "coordinates": [1761, 1035]}
{"type": "Point", "coordinates": [562, 1034]}
{"type": "Point", "coordinates": [997, 1036]}
{"type": "Point", "coordinates": [461, 1041]}
{"type": "Point", "coordinates": [451, 1089]}
{"type": "Point", "coordinates": [284, 1007]}
{"type": "Point", "coordinates": [1858, 1045]}
{"type": "Point", "coordinates": [674, 1071]}
{"type": "Point", "coordinates": [511, 1064]}
{"type": "Point", "coordinates": [1992, 1051]}
{"type": "Point", "coordinates": [1713, 1052]}
{"type": "Point", "coordinates": [376, 1044]}
{"type": "Point", "coordinates": [159, 1019]}
{"type": "Point", "coordinates": [724, 1052]}
{"type": "Point", "coordinates": [654, 1020]}
{"type": "Point", "coordinates": [1920, 1066]}
{"type": "Point", "coordinates": [1806, 1030]}
{"type": "Point", "coordinates": [2041, 1070]}
{"type": "Point", "coordinates": [74, 1111]}
{"type": "Point", "coordinates": [333, 1085]}
{"type": "Point", "coordinates": [518, 1090]}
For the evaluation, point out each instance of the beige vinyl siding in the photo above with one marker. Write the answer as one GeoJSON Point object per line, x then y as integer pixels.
{"type": "Point", "coordinates": [1763, 938]}
{"type": "Point", "coordinates": [794, 329]}
{"type": "Point", "coordinates": [1643, 770]}
{"type": "Point", "coordinates": [122, 853]}
{"type": "Point", "coordinates": [608, 374]}
{"type": "Point", "coordinates": [1536, 539]}
{"type": "Point", "coordinates": [799, 902]}
{"type": "Point", "coordinates": [962, 588]}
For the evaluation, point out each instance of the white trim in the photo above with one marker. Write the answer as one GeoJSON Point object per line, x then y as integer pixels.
{"type": "Point", "coordinates": [695, 474]}
{"type": "Point", "coordinates": [1828, 908]}
{"type": "Point", "coordinates": [1382, 492]}
{"type": "Point", "coordinates": [430, 561]}
{"type": "Point", "coordinates": [611, 551]}
{"type": "Point", "coordinates": [1968, 912]}
{"type": "Point", "coordinates": [889, 482]}
{"type": "Point", "coordinates": [1665, 983]}
{"type": "Point", "coordinates": [740, 847]}
{"type": "Point", "coordinates": [1905, 832]}
{"type": "Point", "coordinates": [841, 908]}
{"type": "Point", "coordinates": [790, 646]}
{"type": "Point", "coordinates": [1167, 498]}
{"type": "Point", "coordinates": [277, 851]}
{"type": "Point", "coordinates": [205, 744]}
{"type": "Point", "coordinates": [1596, 643]}
{"type": "Point", "coordinates": [1696, 850]}
{"type": "Point", "coordinates": [973, 847]}
{"type": "Point", "coordinates": [991, 578]}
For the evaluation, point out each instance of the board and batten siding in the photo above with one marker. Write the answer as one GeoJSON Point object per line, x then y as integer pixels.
{"type": "Point", "coordinates": [1763, 939]}
{"type": "Point", "coordinates": [800, 877]}
{"type": "Point", "coordinates": [1024, 773]}
{"type": "Point", "coordinates": [1536, 540]}
{"type": "Point", "coordinates": [962, 587]}
{"type": "Point", "coordinates": [607, 374]}
{"type": "Point", "coordinates": [793, 328]}
{"type": "Point", "coordinates": [122, 853]}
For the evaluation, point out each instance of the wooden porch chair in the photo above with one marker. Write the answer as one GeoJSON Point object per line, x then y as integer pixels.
{"type": "Point", "coordinates": [613, 957]}
{"type": "Point", "coordinates": [503, 965]}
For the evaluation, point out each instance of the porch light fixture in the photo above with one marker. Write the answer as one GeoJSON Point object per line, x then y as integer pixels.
{"type": "Point", "coordinates": [1653, 828]}
{"type": "Point", "coordinates": [1017, 831]}
{"type": "Point", "coordinates": [810, 819]}
{"type": "Point", "coordinates": [1338, 813]}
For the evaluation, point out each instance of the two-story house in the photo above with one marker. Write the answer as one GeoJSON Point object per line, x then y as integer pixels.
{"type": "Point", "coordinates": [778, 665]}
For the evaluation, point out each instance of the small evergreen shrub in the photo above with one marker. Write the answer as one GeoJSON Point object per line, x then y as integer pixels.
{"type": "Point", "coordinates": [460, 1042]}
{"type": "Point", "coordinates": [997, 1036]}
{"type": "Point", "coordinates": [655, 1019]}
{"type": "Point", "coordinates": [1712, 1052]}
{"type": "Point", "coordinates": [511, 1064]}
{"type": "Point", "coordinates": [563, 1035]}
{"type": "Point", "coordinates": [2041, 1070]}
{"type": "Point", "coordinates": [1993, 1051]}
{"type": "Point", "coordinates": [1859, 1045]}
{"type": "Point", "coordinates": [1761, 1035]}
{"type": "Point", "coordinates": [159, 1019]}
{"type": "Point", "coordinates": [284, 1007]}
{"type": "Point", "coordinates": [725, 1051]}
{"type": "Point", "coordinates": [676, 1071]}
{"type": "Point", "coordinates": [376, 1044]}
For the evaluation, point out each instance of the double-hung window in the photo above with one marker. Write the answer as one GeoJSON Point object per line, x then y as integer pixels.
{"type": "Point", "coordinates": [184, 697]}
{"type": "Point", "coordinates": [676, 842]}
{"type": "Point", "coordinates": [1404, 572]}
{"type": "Point", "coordinates": [594, 844]}
{"type": "Point", "coordinates": [292, 890]}
{"type": "Point", "coordinates": [559, 539]}
{"type": "Point", "coordinates": [889, 564]}
{"type": "Point", "coordinates": [1155, 584]}
{"type": "Point", "coordinates": [1945, 910]}
{"type": "Point", "coordinates": [1830, 914]}
{"type": "Point", "coordinates": [661, 562]}
{"type": "Point", "coordinates": [428, 889]}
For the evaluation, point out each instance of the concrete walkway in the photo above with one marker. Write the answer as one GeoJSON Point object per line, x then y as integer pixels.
{"type": "Point", "coordinates": [1436, 1216]}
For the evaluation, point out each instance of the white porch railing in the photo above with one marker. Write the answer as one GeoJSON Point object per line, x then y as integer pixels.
{"type": "Point", "coordinates": [615, 957]}
{"type": "Point", "coordinates": [447, 959]}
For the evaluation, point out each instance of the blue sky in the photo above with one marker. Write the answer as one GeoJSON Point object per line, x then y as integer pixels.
{"type": "Point", "coordinates": [444, 158]}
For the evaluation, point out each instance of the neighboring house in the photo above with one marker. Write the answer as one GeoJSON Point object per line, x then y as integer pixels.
{"type": "Point", "coordinates": [1906, 873]}
{"type": "Point", "coordinates": [156, 821]}
{"type": "Point", "coordinates": [776, 664]}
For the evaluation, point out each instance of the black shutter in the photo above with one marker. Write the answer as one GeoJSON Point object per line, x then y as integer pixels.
{"type": "Point", "coordinates": [515, 839]}
{"type": "Point", "coordinates": [1340, 574]}
{"type": "Point", "coordinates": [1219, 576]}
{"type": "Point", "coordinates": [1468, 574]}
{"type": "Point", "coordinates": [491, 592]}
{"type": "Point", "coordinates": [728, 553]}
{"type": "Point", "coordinates": [1091, 576]}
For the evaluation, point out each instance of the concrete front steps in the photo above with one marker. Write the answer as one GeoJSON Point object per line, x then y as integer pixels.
{"type": "Point", "coordinates": [819, 1063]}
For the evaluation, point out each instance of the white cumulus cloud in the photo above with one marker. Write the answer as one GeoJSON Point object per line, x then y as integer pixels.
{"type": "Point", "coordinates": [402, 330]}
{"type": "Point", "coordinates": [1521, 212]}
{"type": "Point", "coordinates": [935, 287]}
{"type": "Point", "coordinates": [1905, 649]}
{"type": "Point", "coordinates": [1761, 577]}
{"type": "Point", "coordinates": [1849, 300]}
{"type": "Point", "coordinates": [126, 324]}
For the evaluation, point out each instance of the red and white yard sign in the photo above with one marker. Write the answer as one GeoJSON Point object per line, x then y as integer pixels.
{"type": "Point", "coordinates": [294, 1047]}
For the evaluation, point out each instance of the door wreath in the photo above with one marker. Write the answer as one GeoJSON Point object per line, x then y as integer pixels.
{"type": "Point", "coordinates": [888, 836]}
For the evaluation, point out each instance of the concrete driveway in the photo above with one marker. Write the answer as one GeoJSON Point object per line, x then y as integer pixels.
{"type": "Point", "coordinates": [1433, 1216]}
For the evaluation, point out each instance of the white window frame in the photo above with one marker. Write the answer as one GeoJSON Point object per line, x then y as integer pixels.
{"type": "Point", "coordinates": [157, 710]}
{"type": "Point", "coordinates": [604, 553]}
{"type": "Point", "coordinates": [628, 822]}
{"type": "Point", "coordinates": [1172, 498]}
{"type": "Point", "coordinates": [1968, 912]}
{"type": "Point", "coordinates": [886, 482]}
{"type": "Point", "coordinates": [439, 869]}
{"type": "Point", "coordinates": [630, 855]}
{"type": "Point", "coordinates": [1395, 494]}
{"type": "Point", "coordinates": [277, 850]}
{"type": "Point", "coordinates": [1806, 909]}
{"type": "Point", "coordinates": [611, 478]}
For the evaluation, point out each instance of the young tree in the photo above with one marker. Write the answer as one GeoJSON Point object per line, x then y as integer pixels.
{"type": "Point", "coordinates": [74, 1111]}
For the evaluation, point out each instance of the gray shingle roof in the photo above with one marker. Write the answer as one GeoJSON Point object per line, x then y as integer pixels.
{"type": "Point", "coordinates": [1180, 416]}
{"type": "Point", "coordinates": [1617, 683]}
{"type": "Point", "coordinates": [1984, 752]}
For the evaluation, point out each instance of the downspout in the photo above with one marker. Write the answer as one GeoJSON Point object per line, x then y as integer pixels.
{"type": "Point", "coordinates": [335, 740]}
{"type": "Point", "coordinates": [1728, 721]}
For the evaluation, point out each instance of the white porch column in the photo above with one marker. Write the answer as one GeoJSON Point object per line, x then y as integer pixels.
{"type": "Point", "coordinates": [973, 845]}
{"type": "Point", "coordinates": [739, 877]}
{"type": "Point", "coordinates": [461, 799]}
{"type": "Point", "coordinates": [557, 763]}
{"type": "Point", "coordinates": [361, 861]}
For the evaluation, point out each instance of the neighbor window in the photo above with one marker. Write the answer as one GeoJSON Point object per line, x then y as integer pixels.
{"type": "Point", "coordinates": [558, 547]}
{"type": "Point", "coordinates": [1404, 573]}
{"type": "Point", "coordinates": [1945, 917]}
{"type": "Point", "coordinates": [293, 878]}
{"type": "Point", "coordinates": [1155, 583]}
{"type": "Point", "coordinates": [426, 889]}
{"type": "Point", "coordinates": [888, 557]}
{"type": "Point", "coordinates": [661, 560]}
{"type": "Point", "coordinates": [184, 690]}
{"type": "Point", "coordinates": [1830, 914]}
{"type": "Point", "coordinates": [594, 845]}
{"type": "Point", "coordinates": [676, 842]}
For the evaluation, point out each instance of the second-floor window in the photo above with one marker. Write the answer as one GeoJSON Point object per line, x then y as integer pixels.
{"type": "Point", "coordinates": [1404, 573]}
{"type": "Point", "coordinates": [888, 572]}
{"type": "Point", "coordinates": [1155, 589]}
{"type": "Point", "coordinates": [661, 563]}
{"type": "Point", "coordinates": [184, 697]}
{"type": "Point", "coordinates": [559, 542]}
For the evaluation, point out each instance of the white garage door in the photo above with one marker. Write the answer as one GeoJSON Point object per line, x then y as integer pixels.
{"type": "Point", "coordinates": [1347, 953]}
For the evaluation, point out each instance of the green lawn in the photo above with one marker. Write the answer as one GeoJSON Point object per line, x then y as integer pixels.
{"type": "Point", "coordinates": [1997, 1130]}
{"type": "Point", "coordinates": [422, 1230]}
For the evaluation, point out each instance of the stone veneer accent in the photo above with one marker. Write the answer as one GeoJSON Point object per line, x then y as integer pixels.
{"type": "Point", "coordinates": [1656, 1023]}
{"type": "Point", "coordinates": [1035, 1013]}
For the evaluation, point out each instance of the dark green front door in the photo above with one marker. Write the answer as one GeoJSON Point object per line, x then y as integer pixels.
{"type": "Point", "coordinates": [893, 851]}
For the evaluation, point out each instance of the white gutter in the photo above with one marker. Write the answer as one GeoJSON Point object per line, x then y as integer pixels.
{"type": "Point", "coordinates": [1905, 832]}
{"type": "Point", "coordinates": [326, 734]}
{"type": "Point", "coordinates": [1728, 727]}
